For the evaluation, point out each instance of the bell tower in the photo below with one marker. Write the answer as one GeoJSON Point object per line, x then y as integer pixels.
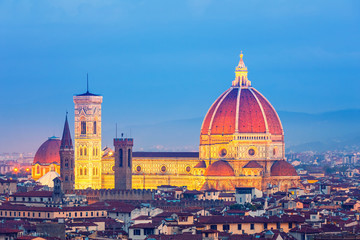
{"type": "Point", "coordinates": [123, 163]}
{"type": "Point", "coordinates": [87, 140]}
{"type": "Point", "coordinates": [67, 159]}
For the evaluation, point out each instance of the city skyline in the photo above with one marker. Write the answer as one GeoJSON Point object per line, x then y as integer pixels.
{"type": "Point", "coordinates": [136, 60]}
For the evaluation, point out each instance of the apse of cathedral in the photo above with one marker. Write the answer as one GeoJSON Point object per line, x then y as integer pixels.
{"type": "Point", "coordinates": [241, 145]}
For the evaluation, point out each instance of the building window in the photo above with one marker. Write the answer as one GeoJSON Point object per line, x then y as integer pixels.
{"type": "Point", "coordinates": [239, 226]}
{"type": "Point", "coordinates": [66, 178]}
{"type": "Point", "coordinates": [148, 231]}
{"type": "Point", "coordinates": [94, 127]}
{"type": "Point", "coordinates": [265, 226]}
{"type": "Point", "coordinates": [129, 158]}
{"type": "Point", "coordinates": [226, 227]}
{"type": "Point", "coordinates": [137, 232]}
{"type": "Point", "coordinates": [290, 225]}
{"type": "Point", "coordinates": [37, 169]}
{"type": "Point", "coordinates": [85, 171]}
{"type": "Point", "coordinates": [213, 227]}
{"type": "Point", "coordinates": [120, 158]}
{"type": "Point", "coordinates": [252, 227]}
{"type": "Point", "coordinates": [81, 151]}
{"type": "Point", "coordinates": [278, 225]}
{"type": "Point", "coordinates": [80, 171]}
{"type": "Point", "coordinates": [83, 127]}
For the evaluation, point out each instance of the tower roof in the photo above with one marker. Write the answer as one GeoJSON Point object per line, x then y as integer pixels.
{"type": "Point", "coordinates": [66, 142]}
{"type": "Point", "coordinates": [87, 89]}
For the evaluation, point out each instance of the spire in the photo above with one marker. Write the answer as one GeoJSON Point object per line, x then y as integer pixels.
{"type": "Point", "coordinates": [241, 72]}
{"type": "Point", "coordinates": [87, 83]}
{"type": "Point", "coordinates": [66, 142]}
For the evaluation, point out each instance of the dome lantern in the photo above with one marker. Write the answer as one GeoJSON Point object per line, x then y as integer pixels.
{"type": "Point", "coordinates": [241, 79]}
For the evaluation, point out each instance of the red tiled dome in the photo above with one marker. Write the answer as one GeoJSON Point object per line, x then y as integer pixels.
{"type": "Point", "coordinates": [48, 152]}
{"type": "Point", "coordinates": [283, 168]}
{"type": "Point", "coordinates": [242, 110]}
{"type": "Point", "coordinates": [220, 168]}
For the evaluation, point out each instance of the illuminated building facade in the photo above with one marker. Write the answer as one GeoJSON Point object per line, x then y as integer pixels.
{"type": "Point", "coordinates": [88, 141]}
{"type": "Point", "coordinates": [241, 145]}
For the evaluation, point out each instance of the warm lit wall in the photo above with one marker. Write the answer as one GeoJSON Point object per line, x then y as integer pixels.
{"type": "Point", "coordinates": [88, 165]}
{"type": "Point", "coordinates": [37, 170]}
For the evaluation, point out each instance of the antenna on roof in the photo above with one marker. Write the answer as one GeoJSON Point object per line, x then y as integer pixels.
{"type": "Point", "coordinates": [116, 130]}
{"type": "Point", "coordinates": [87, 82]}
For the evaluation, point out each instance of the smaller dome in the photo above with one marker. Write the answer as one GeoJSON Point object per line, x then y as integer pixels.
{"type": "Point", "coordinates": [283, 168]}
{"type": "Point", "coordinates": [48, 152]}
{"type": "Point", "coordinates": [48, 179]}
{"type": "Point", "coordinates": [220, 168]}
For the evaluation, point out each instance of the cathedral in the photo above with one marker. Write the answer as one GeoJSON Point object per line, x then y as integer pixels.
{"type": "Point", "coordinates": [241, 145]}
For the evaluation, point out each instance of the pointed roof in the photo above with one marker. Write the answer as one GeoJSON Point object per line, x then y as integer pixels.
{"type": "Point", "coordinates": [241, 64]}
{"type": "Point", "coordinates": [87, 89]}
{"type": "Point", "coordinates": [252, 164]}
{"type": "Point", "coordinates": [66, 141]}
{"type": "Point", "coordinates": [200, 164]}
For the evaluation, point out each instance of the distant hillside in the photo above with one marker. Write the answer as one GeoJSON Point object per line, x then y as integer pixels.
{"type": "Point", "coordinates": [318, 132]}
{"type": "Point", "coordinates": [336, 130]}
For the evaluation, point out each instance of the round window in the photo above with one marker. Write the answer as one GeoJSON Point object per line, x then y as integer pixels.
{"type": "Point", "coordinates": [222, 152]}
{"type": "Point", "coordinates": [163, 169]}
{"type": "Point", "coordinates": [188, 169]}
{"type": "Point", "coordinates": [251, 152]}
{"type": "Point", "coordinates": [138, 169]}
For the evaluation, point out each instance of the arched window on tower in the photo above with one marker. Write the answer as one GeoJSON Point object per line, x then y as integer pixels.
{"type": "Point", "coordinates": [85, 171]}
{"type": "Point", "coordinates": [94, 171]}
{"type": "Point", "coordinates": [94, 153]}
{"type": "Point", "coordinates": [120, 158]}
{"type": "Point", "coordinates": [80, 171]}
{"type": "Point", "coordinates": [95, 127]}
{"type": "Point", "coordinates": [81, 151]}
{"type": "Point", "coordinates": [37, 169]}
{"type": "Point", "coordinates": [129, 157]}
{"type": "Point", "coordinates": [85, 151]}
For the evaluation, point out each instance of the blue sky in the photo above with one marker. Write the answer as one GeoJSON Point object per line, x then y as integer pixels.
{"type": "Point", "coordinates": [156, 61]}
